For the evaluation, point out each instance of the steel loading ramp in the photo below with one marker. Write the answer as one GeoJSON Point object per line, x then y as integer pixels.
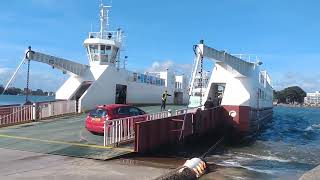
{"type": "Point", "coordinates": [60, 136]}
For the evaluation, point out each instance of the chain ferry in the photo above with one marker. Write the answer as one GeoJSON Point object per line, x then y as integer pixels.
{"type": "Point", "coordinates": [105, 80]}
{"type": "Point", "coordinates": [239, 86]}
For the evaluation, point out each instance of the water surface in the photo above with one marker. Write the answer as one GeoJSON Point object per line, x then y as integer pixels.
{"type": "Point", "coordinates": [288, 147]}
{"type": "Point", "coordinates": [19, 99]}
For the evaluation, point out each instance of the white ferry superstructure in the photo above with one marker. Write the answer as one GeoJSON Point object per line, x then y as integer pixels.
{"type": "Point", "coordinates": [243, 91]}
{"type": "Point", "coordinates": [103, 81]}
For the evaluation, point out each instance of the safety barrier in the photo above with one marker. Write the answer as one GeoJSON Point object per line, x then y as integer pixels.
{"type": "Point", "coordinates": [119, 130]}
{"type": "Point", "coordinates": [16, 114]}
{"type": "Point", "coordinates": [10, 115]}
{"type": "Point", "coordinates": [195, 122]}
{"type": "Point", "coordinates": [55, 108]}
{"type": "Point", "coordinates": [122, 130]}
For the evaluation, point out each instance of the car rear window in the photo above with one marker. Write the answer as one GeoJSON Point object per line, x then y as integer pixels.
{"type": "Point", "coordinates": [122, 111]}
{"type": "Point", "coordinates": [98, 113]}
{"type": "Point", "coordinates": [129, 111]}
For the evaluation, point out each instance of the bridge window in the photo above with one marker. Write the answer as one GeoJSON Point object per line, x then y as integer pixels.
{"type": "Point", "coordinates": [104, 58]}
{"type": "Point", "coordinates": [105, 49]}
{"type": "Point", "coordinates": [102, 49]}
{"type": "Point", "coordinates": [105, 53]}
{"type": "Point", "coordinates": [93, 48]}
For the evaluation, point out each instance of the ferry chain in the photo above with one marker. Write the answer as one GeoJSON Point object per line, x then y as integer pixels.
{"type": "Point", "coordinates": [213, 147]}
{"type": "Point", "coordinates": [28, 72]}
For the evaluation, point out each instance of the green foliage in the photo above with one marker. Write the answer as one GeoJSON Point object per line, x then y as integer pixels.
{"type": "Point", "coordinates": [18, 91]}
{"type": "Point", "coordinates": [38, 92]}
{"type": "Point", "coordinates": [13, 91]}
{"type": "Point", "coordinates": [290, 95]}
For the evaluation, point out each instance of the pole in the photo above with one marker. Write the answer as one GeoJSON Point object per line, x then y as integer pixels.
{"type": "Point", "coordinates": [27, 89]}
{"type": "Point", "coordinates": [201, 80]}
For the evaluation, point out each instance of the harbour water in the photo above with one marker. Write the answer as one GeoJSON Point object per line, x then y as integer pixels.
{"type": "Point", "coordinates": [287, 148]}
{"type": "Point", "coordinates": [10, 99]}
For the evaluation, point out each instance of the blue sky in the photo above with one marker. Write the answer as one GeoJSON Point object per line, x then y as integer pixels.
{"type": "Point", "coordinates": [284, 34]}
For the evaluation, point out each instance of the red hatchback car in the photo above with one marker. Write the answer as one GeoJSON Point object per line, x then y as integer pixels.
{"type": "Point", "coordinates": [95, 119]}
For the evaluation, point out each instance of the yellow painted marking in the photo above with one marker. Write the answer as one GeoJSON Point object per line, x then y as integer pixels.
{"type": "Point", "coordinates": [65, 143]}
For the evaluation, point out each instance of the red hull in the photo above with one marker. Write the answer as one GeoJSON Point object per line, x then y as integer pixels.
{"type": "Point", "coordinates": [246, 120]}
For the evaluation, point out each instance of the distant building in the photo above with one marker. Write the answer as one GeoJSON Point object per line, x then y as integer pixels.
{"type": "Point", "coordinates": [25, 91]}
{"type": "Point", "coordinates": [312, 99]}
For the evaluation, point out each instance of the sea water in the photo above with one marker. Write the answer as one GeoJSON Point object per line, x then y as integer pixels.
{"type": "Point", "coordinates": [285, 149]}
{"type": "Point", "coordinates": [10, 99]}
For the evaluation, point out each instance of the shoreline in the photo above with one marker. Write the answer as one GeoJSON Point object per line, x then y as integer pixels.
{"type": "Point", "coordinates": [296, 105]}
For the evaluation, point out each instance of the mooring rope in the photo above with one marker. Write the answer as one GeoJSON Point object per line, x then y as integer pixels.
{"type": "Point", "coordinates": [212, 147]}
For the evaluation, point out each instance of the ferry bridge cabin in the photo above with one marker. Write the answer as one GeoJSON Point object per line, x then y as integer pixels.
{"type": "Point", "coordinates": [105, 81]}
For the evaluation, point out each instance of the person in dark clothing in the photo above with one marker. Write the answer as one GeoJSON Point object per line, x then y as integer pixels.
{"type": "Point", "coordinates": [208, 104]}
{"type": "Point", "coordinates": [164, 100]}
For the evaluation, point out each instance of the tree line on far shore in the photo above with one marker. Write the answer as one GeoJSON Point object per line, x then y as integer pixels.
{"type": "Point", "coordinates": [290, 95]}
{"type": "Point", "coordinates": [18, 91]}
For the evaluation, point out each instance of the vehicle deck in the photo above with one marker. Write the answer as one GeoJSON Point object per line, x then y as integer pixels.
{"type": "Point", "coordinates": [64, 136]}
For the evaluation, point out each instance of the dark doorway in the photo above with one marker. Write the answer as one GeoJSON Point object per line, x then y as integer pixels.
{"type": "Point", "coordinates": [216, 92]}
{"type": "Point", "coordinates": [121, 94]}
{"type": "Point", "coordinates": [178, 98]}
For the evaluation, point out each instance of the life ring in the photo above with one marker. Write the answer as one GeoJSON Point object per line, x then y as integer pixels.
{"type": "Point", "coordinates": [232, 113]}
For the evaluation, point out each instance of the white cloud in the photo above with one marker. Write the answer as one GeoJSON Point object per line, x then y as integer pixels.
{"type": "Point", "coordinates": [5, 74]}
{"type": "Point", "coordinates": [39, 79]}
{"type": "Point", "coordinates": [162, 66]}
{"type": "Point", "coordinates": [4, 71]}
{"type": "Point", "coordinates": [308, 83]}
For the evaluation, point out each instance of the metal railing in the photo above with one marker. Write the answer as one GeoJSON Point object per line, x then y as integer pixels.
{"type": "Point", "coordinates": [16, 114]}
{"type": "Point", "coordinates": [10, 115]}
{"type": "Point", "coordinates": [55, 108]}
{"type": "Point", "coordinates": [122, 130]}
{"type": "Point", "coordinates": [110, 35]}
{"type": "Point", "coordinates": [186, 110]}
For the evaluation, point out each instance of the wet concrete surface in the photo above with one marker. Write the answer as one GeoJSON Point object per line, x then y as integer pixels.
{"type": "Point", "coordinates": [65, 135]}
{"type": "Point", "coordinates": [15, 164]}
{"type": "Point", "coordinates": [42, 150]}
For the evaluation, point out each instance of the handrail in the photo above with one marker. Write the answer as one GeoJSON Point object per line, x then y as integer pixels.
{"type": "Point", "coordinates": [18, 114]}
{"type": "Point", "coordinates": [120, 130]}
{"type": "Point", "coordinates": [22, 109]}
{"type": "Point", "coordinates": [109, 35]}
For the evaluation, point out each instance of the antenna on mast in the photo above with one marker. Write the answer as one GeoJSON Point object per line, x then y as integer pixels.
{"type": "Point", "coordinates": [104, 18]}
